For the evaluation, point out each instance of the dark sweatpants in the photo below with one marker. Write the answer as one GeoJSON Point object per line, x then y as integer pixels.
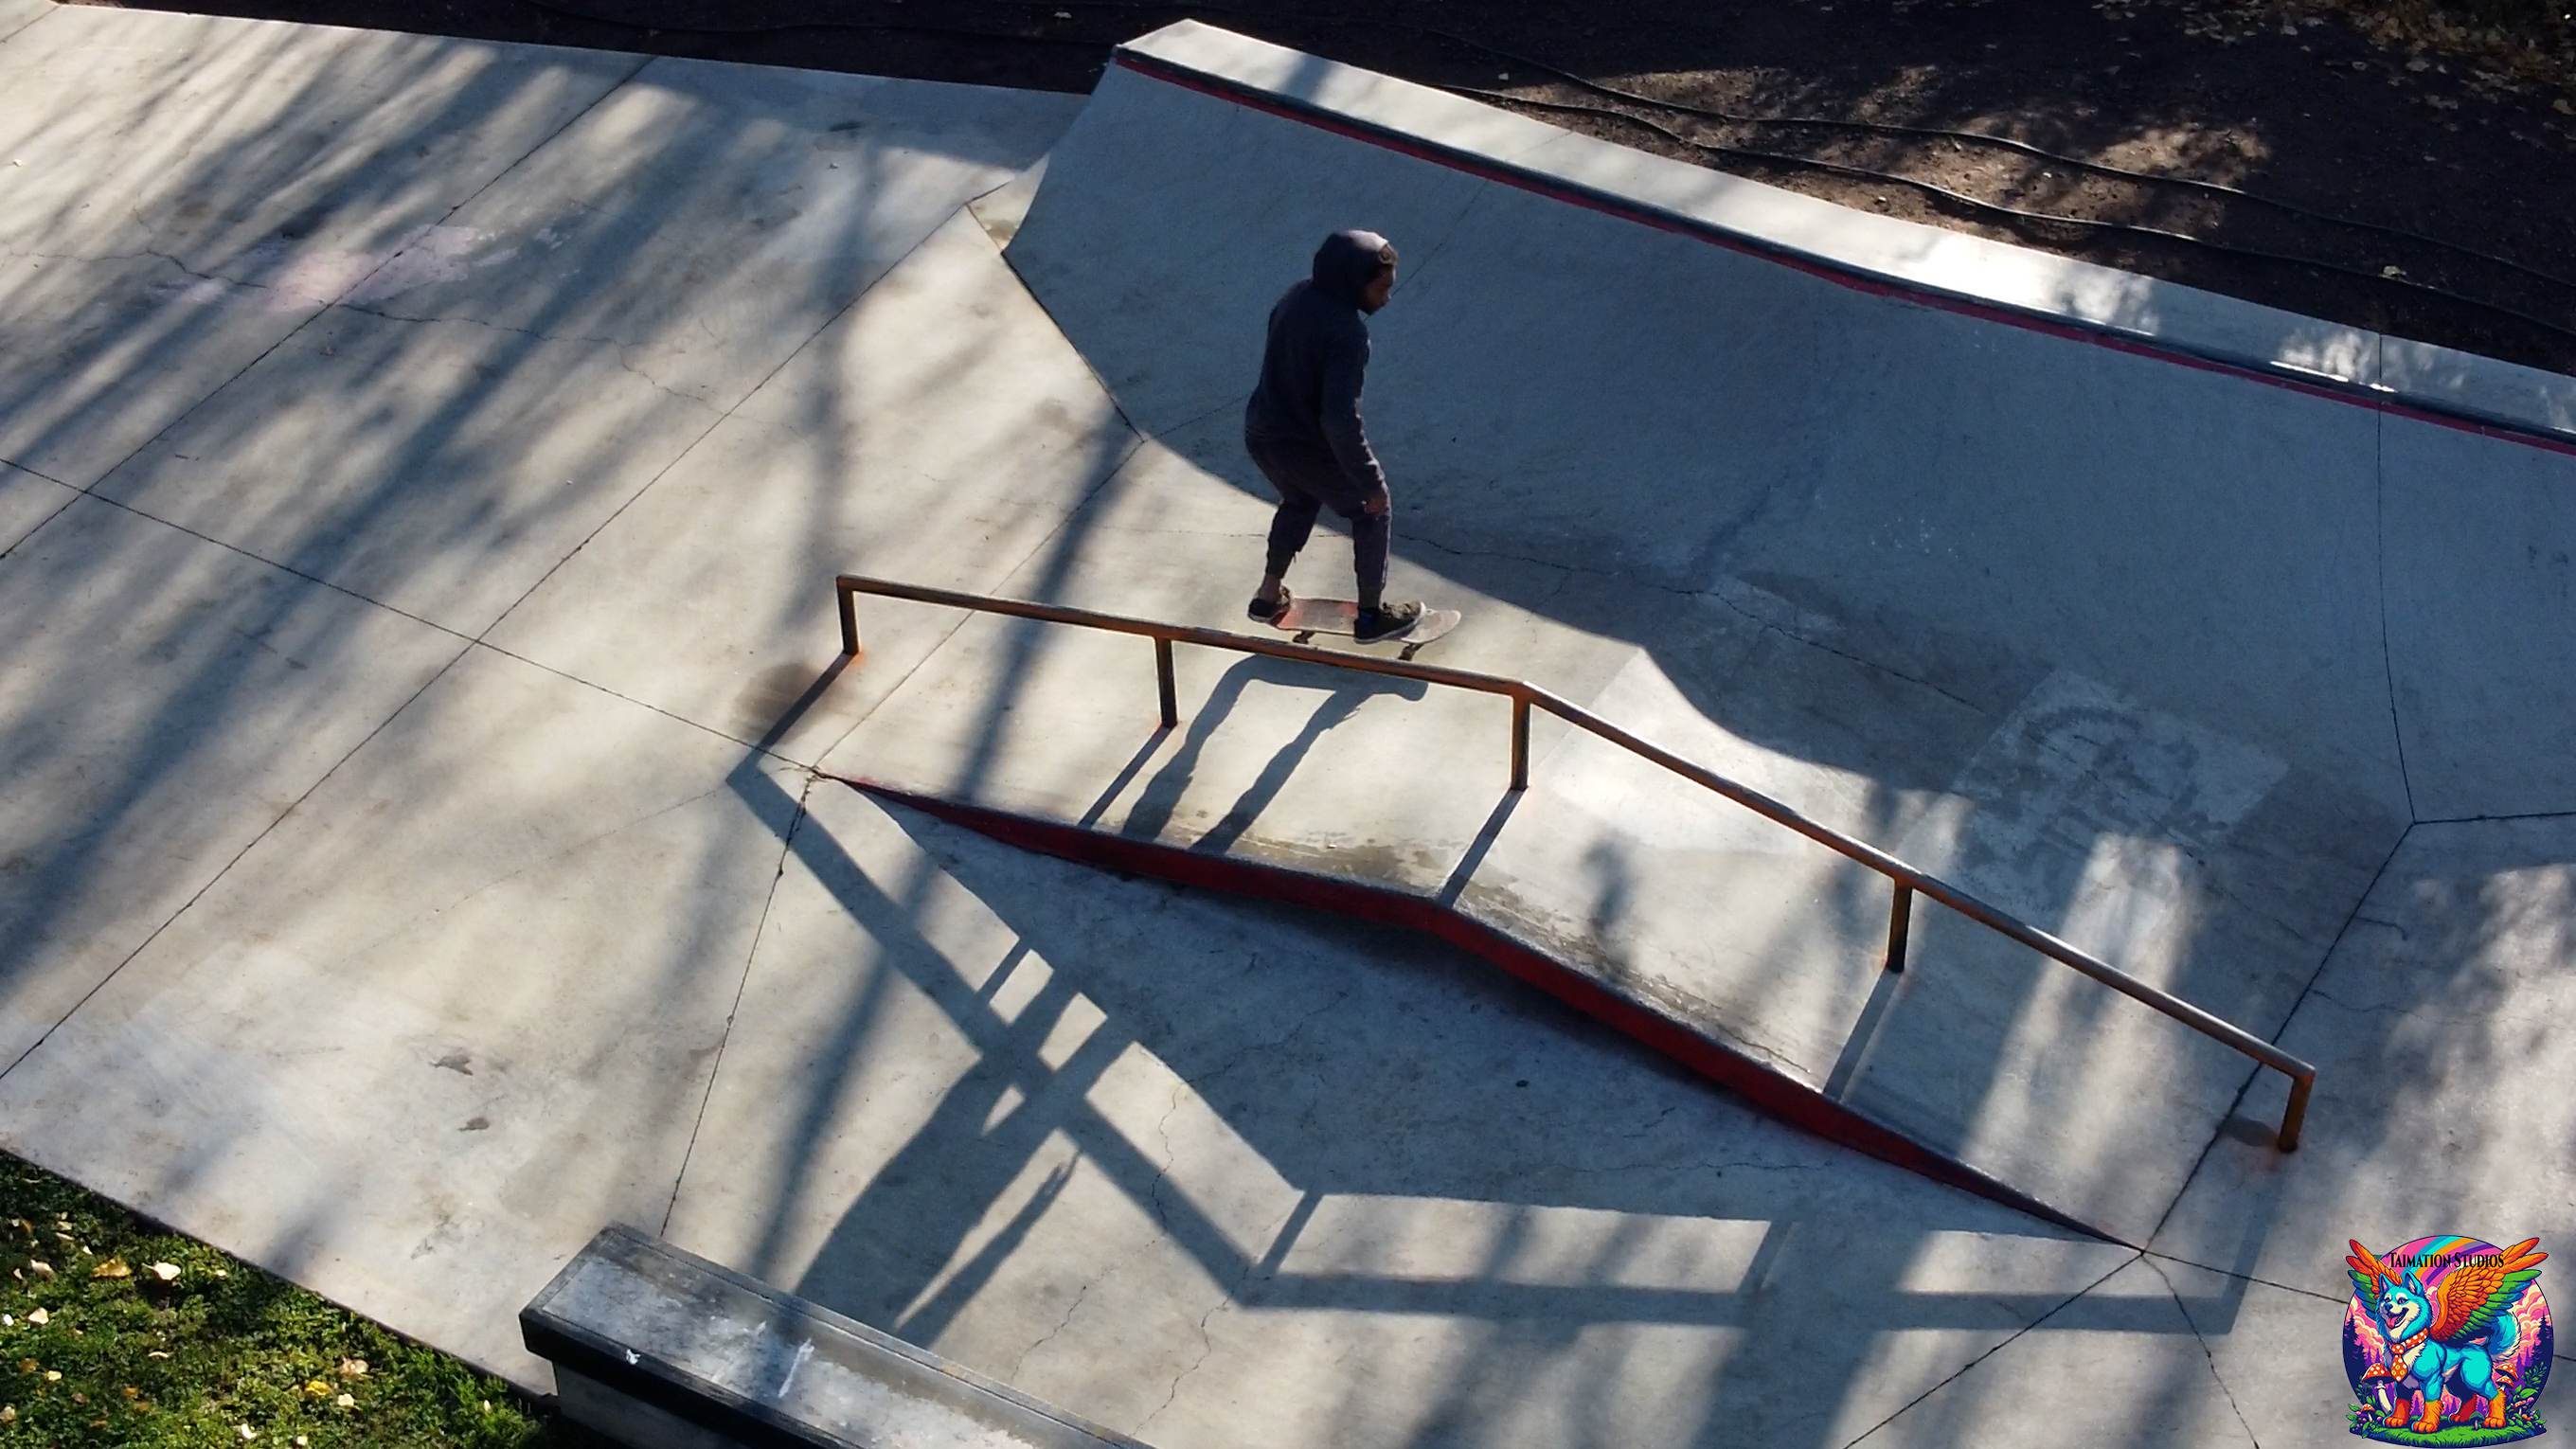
{"type": "Point", "coordinates": [1310, 479]}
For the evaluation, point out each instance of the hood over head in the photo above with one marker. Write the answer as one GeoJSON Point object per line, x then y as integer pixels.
{"type": "Point", "coordinates": [1347, 260]}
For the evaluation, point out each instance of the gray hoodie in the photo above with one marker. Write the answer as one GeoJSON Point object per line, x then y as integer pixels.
{"type": "Point", "coordinates": [1317, 357]}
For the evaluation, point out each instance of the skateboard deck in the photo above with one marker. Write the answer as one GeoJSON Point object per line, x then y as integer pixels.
{"type": "Point", "coordinates": [1307, 618]}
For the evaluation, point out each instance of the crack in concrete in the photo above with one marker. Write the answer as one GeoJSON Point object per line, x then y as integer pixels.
{"type": "Point", "coordinates": [1260, 1050]}
{"type": "Point", "coordinates": [1069, 1310]}
{"type": "Point", "coordinates": [1207, 1350]}
{"type": "Point", "coordinates": [2319, 993]}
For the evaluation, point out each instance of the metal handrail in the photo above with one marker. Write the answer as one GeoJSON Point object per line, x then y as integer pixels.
{"type": "Point", "coordinates": [1905, 879]}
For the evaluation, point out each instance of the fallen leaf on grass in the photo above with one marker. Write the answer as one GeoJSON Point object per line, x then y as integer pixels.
{"type": "Point", "coordinates": [28, 1365]}
{"type": "Point", "coordinates": [316, 1389]}
{"type": "Point", "coordinates": [111, 1268]}
{"type": "Point", "coordinates": [353, 1368]}
{"type": "Point", "coordinates": [2562, 107]}
{"type": "Point", "coordinates": [166, 1272]}
{"type": "Point", "coordinates": [40, 1267]}
{"type": "Point", "coordinates": [247, 1432]}
{"type": "Point", "coordinates": [8, 1413]}
{"type": "Point", "coordinates": [344, 1402]}
{"type": "Point", "coordinates": [156, 1353]}
{"type": "Point", "coordinates": [53, 1376]}
{"type": "Point", "coordinates": [40, 1318]}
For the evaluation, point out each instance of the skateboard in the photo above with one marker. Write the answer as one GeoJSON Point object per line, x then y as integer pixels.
{"type": "Point", "coordinates": [1307, 618]}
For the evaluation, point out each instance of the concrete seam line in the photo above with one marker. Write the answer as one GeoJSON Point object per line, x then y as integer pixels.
{"type": "Point", "coordinates": [2206, 1354]}
{"type": "Point", "coordinates": [39, 525]}
{"type": "Point", "coordinates": [2014, 1337]}
{"type": "Point", "coordinates": [41, 18]}
{"type": "Point", "coordinates": [2306, 989]}
{"type": "Point", "coordinates": [786, 852]}
{"type": "Point", "coordinates": [237, 856]}
{"type": "Point", "coordinates": [2245, 1277]}
{"type": "Point", "coordinates": [2379, 555]}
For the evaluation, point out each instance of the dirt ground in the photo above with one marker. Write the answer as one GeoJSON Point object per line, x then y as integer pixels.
{"type": "Point", "coordinates": [2369, 161]}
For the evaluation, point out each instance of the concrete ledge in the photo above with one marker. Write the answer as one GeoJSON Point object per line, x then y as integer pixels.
{"type": "Point", "coordinates": [1603, 999]}
{"type": "Point", "coordinates": [661, 1349]}
{"type": "Point", "coordinates": [1928, 264]}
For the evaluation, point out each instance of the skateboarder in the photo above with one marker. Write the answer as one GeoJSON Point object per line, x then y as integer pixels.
{"type": "Point", "coordinates": [1303, 426]}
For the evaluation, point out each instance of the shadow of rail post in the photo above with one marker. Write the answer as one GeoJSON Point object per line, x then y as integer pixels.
{"type": "Point", "coordinates": [1524, 697]}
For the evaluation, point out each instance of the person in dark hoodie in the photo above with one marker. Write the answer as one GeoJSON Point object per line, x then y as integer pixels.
{"type": "Point", "coordinates": [1303, 429]}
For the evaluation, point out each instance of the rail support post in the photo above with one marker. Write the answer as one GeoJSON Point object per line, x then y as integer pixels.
{"type": "Point", "coordinates": [849, 617]}
{"type": "Point", "coordinates": [1900, 922]}
{"type": "Point", "coordinates": [1520, 743]}
{"type": "Point", "coordinates": [1163, 677]}
{"type": "Point", "coordinates": [2295, 1116]}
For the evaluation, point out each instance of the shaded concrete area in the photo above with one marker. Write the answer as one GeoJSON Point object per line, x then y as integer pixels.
{"type": "Point", "coordinates": [163, 703]}
{"type": "Point", "coordinates": [1217, 1174]}
{"type": "Point", "coordinates": [329, 346]}
{"type": "Point", "coordinates": [422, 850]}
{"type": "Point", "coordinates": [453, 1014]}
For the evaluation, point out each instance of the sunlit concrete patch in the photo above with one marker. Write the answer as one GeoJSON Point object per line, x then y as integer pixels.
{"type": "Point", "coordinates": [939, 431]}
{"type": "Point", "coordinates": [163, 701]}
{"type": "Point", "coordinates": [191, 189]}
{"type": "Point", "coordinates": [1224, 1175]}
{"type": "Point", "coordinates": [499, 389]}
{"type": "Point", "coordinates": [452, 1015]}
{"type": "Point", "coordinates": [2435, 1026]}
{"type": "Point", "coordinates": [27, 500]}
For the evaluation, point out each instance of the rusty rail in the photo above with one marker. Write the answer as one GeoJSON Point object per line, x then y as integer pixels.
{"type": "Point", "coordinates": [1906, 881]}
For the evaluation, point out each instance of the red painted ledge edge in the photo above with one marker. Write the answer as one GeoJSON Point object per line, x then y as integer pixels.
{"type": "Point", "coordinates": [1775, 1095]}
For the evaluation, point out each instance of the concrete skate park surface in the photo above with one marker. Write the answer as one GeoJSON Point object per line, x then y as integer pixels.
{"type": "Point", "coordinates": [426, 464]}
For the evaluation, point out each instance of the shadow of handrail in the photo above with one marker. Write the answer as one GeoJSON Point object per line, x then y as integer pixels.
{"type": "Point", "coordinates": [1906, 880]}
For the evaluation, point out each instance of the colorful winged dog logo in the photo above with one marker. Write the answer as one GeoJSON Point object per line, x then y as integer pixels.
{"type": "Point", "coordinates": [2447, 1341]}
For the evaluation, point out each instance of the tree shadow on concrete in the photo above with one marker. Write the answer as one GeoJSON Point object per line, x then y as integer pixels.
{"type": "Point", "coordinates": [318, 318]}
{"type": "Point", "coordinates": [1384, 1095]}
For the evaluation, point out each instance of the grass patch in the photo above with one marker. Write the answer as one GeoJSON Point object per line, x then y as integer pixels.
{"type": "Point", "coordinates": [2523, 1424]}
{"type": "Point", "coordinates": [116, 1332]}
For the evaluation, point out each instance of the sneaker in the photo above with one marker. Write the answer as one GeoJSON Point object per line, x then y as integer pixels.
{"type": "Point", "coordinates": [1263, 613]}
{"type": "Point", "coordinates": [1386, 621]}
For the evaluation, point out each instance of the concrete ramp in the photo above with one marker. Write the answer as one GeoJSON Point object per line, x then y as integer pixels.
{"type": "Point", "coordinates": [2153, 617]}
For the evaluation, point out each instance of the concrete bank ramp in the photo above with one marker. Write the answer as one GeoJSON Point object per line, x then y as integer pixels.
{"type": "Point", "coordinates": [2151, 616]}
